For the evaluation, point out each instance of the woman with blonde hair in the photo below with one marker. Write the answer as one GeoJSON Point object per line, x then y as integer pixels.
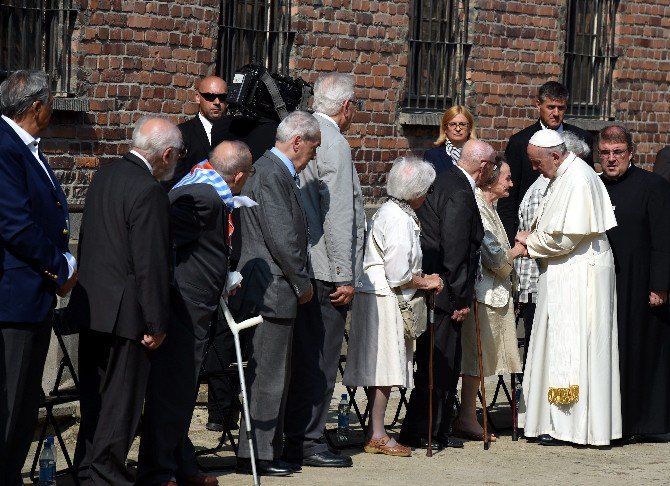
{"type": "Point", "coordinates": [456, 128]}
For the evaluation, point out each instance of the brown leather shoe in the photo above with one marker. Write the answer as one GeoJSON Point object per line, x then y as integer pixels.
{"type": "Point", "coordinates": [378, 446]}
{"type": "Point", "coordinates": [198, 481]}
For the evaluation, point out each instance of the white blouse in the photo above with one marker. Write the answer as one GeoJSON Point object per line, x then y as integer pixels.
{"type": "Point", "coordinates": [397, 235]}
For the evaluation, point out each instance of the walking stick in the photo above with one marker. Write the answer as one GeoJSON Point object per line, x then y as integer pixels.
{"type": "Point", "coordinates": [235, 328]}
{"type": "Point", "coordinates": [481, 376]}
{"type": "Point", "coordinates": [515, 415]}
{"type": "Point", "coordinates": [431, 330]}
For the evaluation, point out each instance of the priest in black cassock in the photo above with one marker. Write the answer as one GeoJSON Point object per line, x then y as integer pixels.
{"type": "Point", "coordinates": [641, 245]}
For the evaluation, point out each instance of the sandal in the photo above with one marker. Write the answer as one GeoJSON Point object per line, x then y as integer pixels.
{"type": "Point", "coordinates": [378, 446]}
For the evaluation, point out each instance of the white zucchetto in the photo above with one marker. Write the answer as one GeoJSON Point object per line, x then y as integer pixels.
{"type": "Point", "coordinates": [546, 138]}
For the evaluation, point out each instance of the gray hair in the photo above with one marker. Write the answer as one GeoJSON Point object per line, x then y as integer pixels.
{"type": "Point", "coordinates": [576, 145]}
{"type": "Point", "coordinates": [298, 123]}
{"type": "Point", "coordinates": [561, 149]}
{"type": "Point", "coordinates": [500, 160]}
{"type": "Point", "coordinates": [409, 178]}
{"type": "Point", "coordinates": [331, 91]}
{"type": "Point", "coordinates": [21, 89]}
{"type": "Point", "coordinates": [154, 142]}
{"type": "Point", "coordinates": [230, 157]}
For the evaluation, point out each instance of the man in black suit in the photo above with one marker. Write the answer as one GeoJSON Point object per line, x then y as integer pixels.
{"type": "Point", "coordinates": [35, 262]}
{"type": "Point", "coordinates": [122, 302]}
{"type": "Point", "coordinates": [205, 130]}
{"type": "Point", "coordinates": [551, 102]}
{"type": "Point", "coordinates": [275, 267]}
{"type": "Point", "coordinates": [451, 234]}
{"type": "Point", "coordinates": [662, 163]}
{"type": "Point", "coordinates": [200, 204]}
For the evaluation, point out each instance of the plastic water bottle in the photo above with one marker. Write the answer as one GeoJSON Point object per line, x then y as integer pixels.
{"type": "Point", "coordinates": [48, 463]}
{"type": "Point", "coordinates": [343, 419]}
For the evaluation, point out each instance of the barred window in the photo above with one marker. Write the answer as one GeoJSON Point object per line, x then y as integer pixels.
{"type": "Point", "coordinates": [254, 31]}
{"type": "Point", "coordinates": [589, 57]}
{"type": "Point", "coordinates": [438, 50]}
{"type": "Point", "coordinates": [37, 34]}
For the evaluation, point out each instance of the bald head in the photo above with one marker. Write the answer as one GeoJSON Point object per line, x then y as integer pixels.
{"type": "Point", "coordinates": [233, 162]}
{"type": "Point", "coordinates": [211, 97]}
{"type": "Point", "coordinates": [159, 141]}
{"type": "Point", "coordinates": [478, 160]}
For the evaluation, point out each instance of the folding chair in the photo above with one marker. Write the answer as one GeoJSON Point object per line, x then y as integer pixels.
{"type": "Point", "coordinates": [59, 395]}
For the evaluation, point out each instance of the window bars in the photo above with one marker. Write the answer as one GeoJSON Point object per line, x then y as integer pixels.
{"type": "Point", "coordinates": [254, 31]}
{"type": "Point", "coordinates": [438, 51]}
{"type": "Point", "coordinates": [37, 34]}
{"type": "Point", "coordinates": [589, 57]}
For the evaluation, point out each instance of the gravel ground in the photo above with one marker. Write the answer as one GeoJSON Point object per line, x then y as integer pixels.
{"type": "Point", "coordinates": [505, 462]}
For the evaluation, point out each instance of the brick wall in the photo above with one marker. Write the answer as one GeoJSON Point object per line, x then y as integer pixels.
{"type": "Point", "coordinates": [141, 57]}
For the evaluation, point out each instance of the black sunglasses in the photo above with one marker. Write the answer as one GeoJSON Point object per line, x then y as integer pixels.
{"type": "Point", "coordinates": [211, 97]}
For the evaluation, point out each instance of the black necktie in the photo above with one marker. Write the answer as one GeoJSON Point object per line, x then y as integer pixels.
{"type": "Point", "coordinates": [296, 178]}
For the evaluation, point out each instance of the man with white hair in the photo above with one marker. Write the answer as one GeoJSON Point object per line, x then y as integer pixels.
{"type": "Point", "coordinates": [275, 266]}
{"type": "Point", "coordinates": [571, 382]}
{"type": "Point", "coordinates": [333, 202]}
{"type": "Point", "coordinates": [122, 300]}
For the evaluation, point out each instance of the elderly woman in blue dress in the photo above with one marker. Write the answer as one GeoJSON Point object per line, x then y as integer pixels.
{"type": "Point", "coordinates": [379, 355]}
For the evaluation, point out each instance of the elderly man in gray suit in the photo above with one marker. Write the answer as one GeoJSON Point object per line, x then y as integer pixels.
{"type": "Point", "coordinates": [275, 266]}
{"type": "Point", "coordinates": [331, 194]}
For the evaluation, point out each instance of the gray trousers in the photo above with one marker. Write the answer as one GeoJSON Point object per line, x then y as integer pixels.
{"type": "Point", "coordinates": [317, 344]}
{"type": "Point", "coordinates": [267, 377]}
{"type": "Point", "coordinates": [23, 351]}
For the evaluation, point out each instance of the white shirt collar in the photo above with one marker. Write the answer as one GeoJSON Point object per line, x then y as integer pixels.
{"type": "Point", "coordinates": [559, 129]}
{"type": "Point", "coordinates": [208, 126]}
{"type": "Point", "coordinates": [328, 118]}
{"type": "Point", "coordinates": [472, 182]}
{"type": "Point", "coordinates": [141, 157]}
{"type": "Point", "coordinates": [27, 138]}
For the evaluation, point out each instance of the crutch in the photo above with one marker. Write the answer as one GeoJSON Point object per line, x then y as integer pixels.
{"type": "Point", "coordinates": [431, 330]}
{"type": "Point", "coordinates": [235, 328]}
{"type": "Point", "coordinates": [481, 377]}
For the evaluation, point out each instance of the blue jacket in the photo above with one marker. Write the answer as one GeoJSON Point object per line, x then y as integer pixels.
{"type": "Point", "coordinates": [439, 158]}
{"type": "Point", "coordinates": [34, 233]}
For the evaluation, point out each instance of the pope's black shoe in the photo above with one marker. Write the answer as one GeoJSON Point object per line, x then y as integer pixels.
{"type": "Point", "coordinates": [327, 459]}
{"type": "Point", "coordinates": [447, 441]}
{"type": "Point", "coordinates": [263, 467]}
{"type": "Point", "coordinates": [419, 442]}
{"type": "Point", "coordinates": [547, 440]}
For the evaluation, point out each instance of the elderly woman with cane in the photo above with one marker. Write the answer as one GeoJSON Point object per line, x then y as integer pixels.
{"type": "Point", "coordinates": [380, 353]}
{"type": "Point", "coordinates": [493, 287]}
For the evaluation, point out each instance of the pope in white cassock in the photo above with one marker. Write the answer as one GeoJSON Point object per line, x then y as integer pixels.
{"type": "Point", "coordinates": [571, 382]}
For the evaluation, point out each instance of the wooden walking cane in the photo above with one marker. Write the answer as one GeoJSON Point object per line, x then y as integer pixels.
{"type": "Point", "coordinates": [481, 376]}
{"type": "Point", "coordinates": [431, 330]}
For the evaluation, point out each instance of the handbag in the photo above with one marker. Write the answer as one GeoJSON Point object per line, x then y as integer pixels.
{"type": "Point", "coordinates": [414, 312]}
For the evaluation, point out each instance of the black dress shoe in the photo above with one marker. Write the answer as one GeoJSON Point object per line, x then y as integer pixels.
{"type": "Point", "coordinates": [547, 440]}
{"type": "Point", "coordinates": [327, 459]}
{"type": "Point", "coordinates": [446, 441]}
{"type": "Point", "coordinates": [419, 442]}
{"type": "Point", "coordinates": [294, 466]}
{"type": "Point", "coordinates": [214, 427]}
{"type": "Point", "coordinates": [263, 467]}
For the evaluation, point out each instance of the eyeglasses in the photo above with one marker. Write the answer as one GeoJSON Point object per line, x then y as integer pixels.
{"type": "Point", "coordinates": [458, 124]}
{"type": "Point", "coordinates": [618, 153]}
{"type": "Point", "coordinates": [211, 97]}
{"type": "Point", "coordinates": [183, 152]}
{"type": "Point", "coordinates": [430, 190]}
{"type": "Point", "coordinates": [357, 103]}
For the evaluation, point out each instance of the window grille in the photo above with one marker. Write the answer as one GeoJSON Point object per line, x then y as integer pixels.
{"type": "Point", "coordinates": [589, 57]}
{"type": "Point", "coordinates": [37, 34]}
{"type": "Point", "coordinates": [438, 51]}
{"type": "Point", "coordinates": [254, 31]}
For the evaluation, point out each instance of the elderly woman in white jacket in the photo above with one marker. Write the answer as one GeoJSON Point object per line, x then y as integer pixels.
{"type": "Point", "coordinates": [379, 355]}
{"type": "Point", "coordinates": [493, 288]}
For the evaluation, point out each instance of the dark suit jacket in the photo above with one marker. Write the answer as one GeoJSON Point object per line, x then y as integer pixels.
{"type": "Point", "coordinates": [34, 232]}
{"type": "Point", "coordinates": [125, 253]}
{"type": "Point", "coordinates": [440, 159]}
{"type": "Point", "coordinates": [662, 163]}
{"type": "Point", "coordinates": [274, 260]}
{"type": "Point", "coordinates": [523, 174]}
{"type": "Point", "coordinates": [451, 234]}
{"type": "Point", "coordinates": [200, 229]}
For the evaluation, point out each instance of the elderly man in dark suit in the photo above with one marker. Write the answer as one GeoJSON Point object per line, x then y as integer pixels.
{"type": "Point", "coordinates": [275, 266]}
{"type": "Point", "coordinates": [201, 204]}
{"type": "Point", "coordinates": [34, 261]}
{"type": "Point", "coordinates": [662, 163]}
{"type": "Point", "coordinates": [451, 234]}
{"type": "Point", "coordinates": [122, 301]}
{"type": "Point", "coordinates": [552, 103]}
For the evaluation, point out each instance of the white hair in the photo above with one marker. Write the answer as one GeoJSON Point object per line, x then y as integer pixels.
{"type": "Point", "coordinates": [155, 141]}
{"type": "Point", "coordinates": [409, 178]}
{"type": "Point", "coordinates": [298, 123]}
{"type": "Point", "coordinates": [575, 144]}
{"type": "Point", "coordinates": [331, 91]}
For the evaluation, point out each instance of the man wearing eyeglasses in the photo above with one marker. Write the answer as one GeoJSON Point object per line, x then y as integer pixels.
{"type": "Point", "coordinates": [641, 246]}
{"type": "Point", "coordinates": [205, 130]}
{"type": "Point", "coordinates": [551, 103]}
